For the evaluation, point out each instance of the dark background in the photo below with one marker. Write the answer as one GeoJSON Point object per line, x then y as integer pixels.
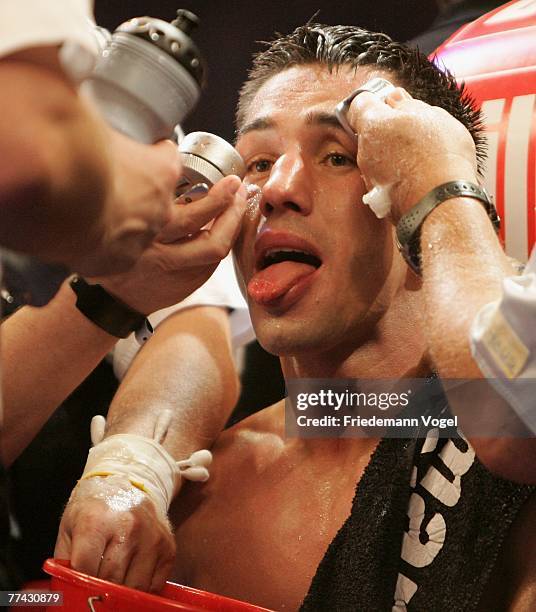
{"type": "Point", "coordinates": [229, 30]}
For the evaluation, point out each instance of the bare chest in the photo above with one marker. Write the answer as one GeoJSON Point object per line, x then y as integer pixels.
{"type": "Point", "coordinates": [259, 534]}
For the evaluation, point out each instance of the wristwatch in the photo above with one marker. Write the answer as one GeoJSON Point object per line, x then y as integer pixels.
{"type": "Point", "coordinates": [408, 229]}
{"type": "Point", "coordinates": [109, 313]}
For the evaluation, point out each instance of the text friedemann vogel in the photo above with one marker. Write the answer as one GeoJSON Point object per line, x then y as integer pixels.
{"type": "Point", "coordinates": [374, 421]}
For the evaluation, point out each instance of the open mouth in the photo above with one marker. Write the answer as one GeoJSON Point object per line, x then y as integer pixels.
{"type": "Point", "coordinates": [280, 255]}
{"type": "Point", "coordinates": [282, 273]}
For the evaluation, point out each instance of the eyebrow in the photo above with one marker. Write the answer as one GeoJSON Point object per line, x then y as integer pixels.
{"type": "Point", "coordinates": [323, 118]}
{"type": "Point", "coordinates": [262, 123]}
{"type": "Point", "coordinates": [312, 118]}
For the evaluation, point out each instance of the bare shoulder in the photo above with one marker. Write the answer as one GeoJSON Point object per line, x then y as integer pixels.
{"type": "Point", "coordinates": [242, 454]}
{"type": "Point", "coordinates": [260, 435]}
{"type": "Point", "coordinates": [239, 453]}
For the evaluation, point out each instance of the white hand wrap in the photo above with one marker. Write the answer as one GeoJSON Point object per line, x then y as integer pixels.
{"type": "Point", "coordinates": [144, 462]}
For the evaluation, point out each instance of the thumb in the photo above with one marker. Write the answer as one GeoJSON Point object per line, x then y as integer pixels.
{"type": "Point", "coordinates": [63, 546]}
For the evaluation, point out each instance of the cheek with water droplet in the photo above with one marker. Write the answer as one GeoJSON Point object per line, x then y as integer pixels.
{"type": "Point", "coordinates": [254, 196]}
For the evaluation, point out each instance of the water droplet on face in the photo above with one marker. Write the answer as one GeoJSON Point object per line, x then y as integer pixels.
{"type": "Point", "coordinates": [254, 196]}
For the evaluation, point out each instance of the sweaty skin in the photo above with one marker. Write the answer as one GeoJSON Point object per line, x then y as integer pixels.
{"type": "Point", "coordinates": [258, 529]}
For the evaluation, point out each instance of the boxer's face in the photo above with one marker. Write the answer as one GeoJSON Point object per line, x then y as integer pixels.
{"type": "Point", "coordinates": [317, 263]}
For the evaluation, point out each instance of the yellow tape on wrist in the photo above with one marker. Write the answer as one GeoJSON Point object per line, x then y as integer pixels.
{"type": "Point", "coordinates": [137, 484]}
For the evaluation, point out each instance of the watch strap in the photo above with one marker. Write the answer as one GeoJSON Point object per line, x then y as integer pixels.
{"type": "Point", "coordinates": [408, 228]}
{"type": "Point", "coordinates": [106, 311]}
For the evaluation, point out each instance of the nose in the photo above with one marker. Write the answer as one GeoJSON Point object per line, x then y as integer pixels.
{"type": "Point", "coordinates": [286, 187]}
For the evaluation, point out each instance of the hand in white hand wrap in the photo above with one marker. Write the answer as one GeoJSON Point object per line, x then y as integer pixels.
{"type": "Point", "coordinates": [113, 530]}
{"type": "Point", "coordinates": [144, 461]}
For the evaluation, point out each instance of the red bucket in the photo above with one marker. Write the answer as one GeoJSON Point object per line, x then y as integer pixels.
{"type": "Point", "coordinates": [83, 593]}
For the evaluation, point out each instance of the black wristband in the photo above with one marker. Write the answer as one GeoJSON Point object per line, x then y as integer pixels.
{"type": "Point", "coordinates": [408, 230]}
{"type": "Point", "coordinates": [107, 312]}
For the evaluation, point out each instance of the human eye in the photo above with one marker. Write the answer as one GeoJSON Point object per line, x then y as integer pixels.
{"type": "Point", "coordinates": [336, 159]}
{"type": "Point", "coordinates": [259, 165]}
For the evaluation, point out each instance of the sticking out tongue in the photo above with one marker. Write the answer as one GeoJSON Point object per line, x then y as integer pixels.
{"type": "Point", "coordinates": [273, 282]}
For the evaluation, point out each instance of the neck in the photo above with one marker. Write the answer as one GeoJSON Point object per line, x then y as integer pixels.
{"type": "Point", "coordinates": [393, 348]}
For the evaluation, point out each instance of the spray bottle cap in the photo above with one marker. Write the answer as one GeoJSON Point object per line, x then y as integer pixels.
{"type": "Point", "coordinates": [172, 38]}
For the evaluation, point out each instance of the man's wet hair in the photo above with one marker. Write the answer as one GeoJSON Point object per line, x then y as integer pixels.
{"type": "Point", "coordinates": [334, 46]}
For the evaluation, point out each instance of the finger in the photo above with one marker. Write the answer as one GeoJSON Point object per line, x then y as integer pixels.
{"type": "Point", "coordinates": [169, 153]}
{"type": "Point", "coordinates": [228, 226]}
{"type": "Point", "coordinates": [158, 548]}
{"type": "Point", "coordinates": [188, 219]}
{"type": "Point", "coordinates": [87, 548]}
{"type": "Point", "coordinates": [140, 571]}
{"type": "Point", "coordinates": [62, 550]}
{"type": "Point", "coordinates": [211, 245]}
{"type": "Point", "coordinates": [367, 107]}
{"type": "Point", "coordinates": [115, 560]}
{"type": "Point", "coordinates": [204, 210]}
{"type": "Point", "coordinates": [397, 97]}
{"type": "Point", "coordinates": [162, 572]}
{"type": "Point", "coordinates": [168, 147]}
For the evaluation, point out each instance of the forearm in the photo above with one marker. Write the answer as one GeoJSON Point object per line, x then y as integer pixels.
{"type": "Point", "coordinates": [463, 268]}
{"type": "Point", "coordinates": [415, 148]}
{"type": "Point", "coordinates": [186, 367]}
{"type": "Point", "coordinates": [46, 353]}
{"type": "Point", "coordinates": [55, 172]}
